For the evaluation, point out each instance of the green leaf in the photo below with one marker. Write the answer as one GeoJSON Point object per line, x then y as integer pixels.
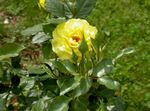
{"type": "Point", "coordinates": [74, 57]}
{"type": "Point", "coordinates": [10, 50]}
{"type": "Point", "coordinates": [56, 20]}
{"type": "Point", "coordinates": [83, 46]}
{"type": "Point", "coordinates": [83, 88]}
{"type": "Point", "coordinates": [2, 104]}
{"type": "Point", "coordinates": [38, 106]}
{"type": "Point", "coordinates": [70, 66]}
{"type": "Point", "coordinates": [84, 7]}
{"type": "Point", "coordinates": [123, 52]}
{"type": "Point", "coordinates": [59, 103]}
{"type": "Point", "coordinates": [58, 65]}
{"type": "Point", "coordinates": [69, 8]}
{"type": "Point", "coordinates": [40, 38]}
{"type": "Point", "coordinates": [67, 84]}
{"type": "Point", "coordinates": [79, 104]}
{"type": "Point", "coordinates": [1, 71]}
{"type": "Point", "coordinates": [55, 7]}
{"type": "Point", "coordinates": [50, 84]}
{"type": "Point", "coordinates": [105, 93]}
{"type": "Point", "coordinates": [109, 83]}
{"type": "Point", "coordinates": [119, 104]}
{"type": "Point", "coordinates": [35, 69]}
{"type": "Point", "coordinates": [46, 49]}
{"type": "Point", "coordinates": [32, 30]}
{"type": "Point", "coordinates": [48, 29]}
{"type": "Point", "coordinates": [97, 41]}
{"type": "Point", "coordinates": [103, 67]}
{"type": "Point", "coordinates": [27, 83]}
{"type": "Point", "coordinates": [102, 106]}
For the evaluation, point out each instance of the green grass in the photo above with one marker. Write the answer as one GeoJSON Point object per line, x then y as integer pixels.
{"type": "Point", "coordinates": [127, 21]}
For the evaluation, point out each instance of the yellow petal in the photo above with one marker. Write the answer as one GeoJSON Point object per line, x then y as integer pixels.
{"type": "Point", "coordinates": [42, 3]}
{"type": "Point", "coordinates": [68, 35]}
{"type": "Point", "coordinates": [61, 48]}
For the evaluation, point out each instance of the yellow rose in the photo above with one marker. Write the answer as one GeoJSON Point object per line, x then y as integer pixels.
{"type": "Point", "coordinates": [42, 3]}
{"type": "Point", "coordinates": [67, 37]}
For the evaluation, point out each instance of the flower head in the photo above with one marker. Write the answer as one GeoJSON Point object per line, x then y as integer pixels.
{"type": "Point", "coordinates": [42, 3]}
{"type": "Point", "coordinates": [68, 36]}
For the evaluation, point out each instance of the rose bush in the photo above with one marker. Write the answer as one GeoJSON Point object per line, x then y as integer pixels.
{"type": "Point", "coordinates": [67, 37]}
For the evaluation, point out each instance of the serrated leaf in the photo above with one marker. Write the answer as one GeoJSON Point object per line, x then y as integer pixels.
{"type": "Point", "coordinates": [40, 38]}
{"type": "Point", "coordinates": [32, 30]}
{"type": "Point", "coordinates": [67, 84]}
{"type": "Point", "coordinates": [38, 106]}
{"type": "Point", "coordinates": [60, 103]}
{"type": "Point", "coordinates": [10, 50]}
{"type": "Point", "coordinates": [79, 104]}
{"type": "Point", "coordinates": [103, 67]}
{"type": "Point", "coordinates": [55, 7]}
{"type": "Point", "coordinates": [84, 7]}
{"type": "Point", "coordinates": [109, 83]}
{"type": "Point", "coordinates": [69, 66]}
{"type": "Point", "coordinates": [83, 88]}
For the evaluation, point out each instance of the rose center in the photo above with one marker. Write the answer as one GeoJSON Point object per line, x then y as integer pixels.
{"type": "Point", "coordinates": [76, 38]}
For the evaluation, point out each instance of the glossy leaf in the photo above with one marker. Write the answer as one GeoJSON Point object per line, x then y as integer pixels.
{"type": "Point", "coordinates": [83, 88]}
{"type": "Point", "coordinates": [69, 66]}
{"type": "Point", "coordinates": [38, 106]}
{"type": "Point", "coordinates": [46, 49]}
{"type": "Point", "coordinates": [69, 8]}
{"type": "Point", "coordinates": [103, 67]}
{"type": "Point", "coordinates": [79, 104]}
{"type": "Point", "coordinates": [56, 20]}
{"type": "Point", "coordinates": [59, 103]}
{"type": "Point", "coordinates": [40, 38]}
{"type": "Point", "coordinates": [10, 50]}
{"type": "Point", "coordinates": [67, 84]}
{"type": "Point", "coordinates": [58, 65]}
{"type": "Point", "coordinates": [84, 7]}
{"type": "Point", "coordinates": [32, 30]}
{"type": "Point", "coordinates": [109, 83]}
{"type": "Point", "coordinates": [55, 7]}
{"type": "Point", "coordinates": [35, 69]}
